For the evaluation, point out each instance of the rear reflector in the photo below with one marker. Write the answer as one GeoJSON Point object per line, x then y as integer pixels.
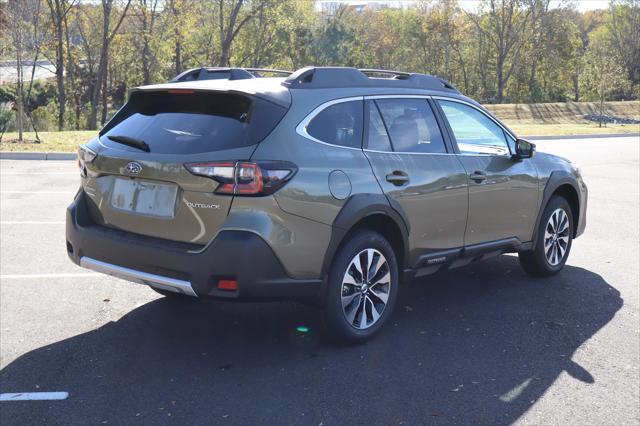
{"type": "Point", "coordinates": [230, 285]}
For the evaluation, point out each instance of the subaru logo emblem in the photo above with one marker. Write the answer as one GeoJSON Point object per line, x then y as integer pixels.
{"type": "Point", "coordinates": [133, 168]}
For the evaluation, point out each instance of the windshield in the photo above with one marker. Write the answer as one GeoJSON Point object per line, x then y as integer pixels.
{"type": "Point", "coordinates": [190, 122]}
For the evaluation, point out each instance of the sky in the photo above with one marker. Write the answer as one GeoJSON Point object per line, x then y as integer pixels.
{"type": "Point", "coordinates": [471, 5]}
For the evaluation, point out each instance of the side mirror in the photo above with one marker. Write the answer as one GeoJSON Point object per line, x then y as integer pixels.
{"type": "Point", "coordinates": [524, 149]}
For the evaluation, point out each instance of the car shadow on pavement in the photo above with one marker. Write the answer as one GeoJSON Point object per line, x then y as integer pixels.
{"type": "Point", "coordinates": [477, 344]}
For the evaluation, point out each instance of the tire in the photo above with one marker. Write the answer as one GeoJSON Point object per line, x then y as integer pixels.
{"type": "Point", "coordinates": [551, 248]}
{"type": "Point", "coordinates": [347, 324]}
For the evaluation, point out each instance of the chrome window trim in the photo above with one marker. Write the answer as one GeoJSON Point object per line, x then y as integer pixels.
{"type": "Point", "coordinates": [301, 128]}
{"type": "Point", "coordinates": [372, 97]}
{"type": "Point", "coordinates": [460, 101]}
{"type": "Point", "coordinates": [408, 153]}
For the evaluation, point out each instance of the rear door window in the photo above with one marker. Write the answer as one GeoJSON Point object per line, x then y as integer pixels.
{"type": "Point", "coordinates": [339, 124]}
{"type": "Point", "coordinates": [412, 125]}
{"type": "Point", "coordinates": [189, 122]}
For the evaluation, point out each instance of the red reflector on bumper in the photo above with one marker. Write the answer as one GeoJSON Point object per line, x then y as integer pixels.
{"type": "Point", "coordinates": [228, 285]}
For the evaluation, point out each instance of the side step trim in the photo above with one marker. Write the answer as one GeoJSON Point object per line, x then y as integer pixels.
{"type": "Point", "coordinates": [157, 281]}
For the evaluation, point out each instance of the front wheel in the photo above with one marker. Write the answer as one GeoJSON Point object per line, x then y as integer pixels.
{"type": "Point", "coordinates": [553, 242]}
{"type": "Point", "coordinates": [361, 288]}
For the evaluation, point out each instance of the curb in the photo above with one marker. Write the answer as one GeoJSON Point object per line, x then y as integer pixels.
{"type": "Point", "coordinates": [599, 136]}
{"type": "Point", "coordinates": [10, 155]}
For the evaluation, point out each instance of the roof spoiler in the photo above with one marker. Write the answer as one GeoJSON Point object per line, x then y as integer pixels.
{"type": "Point", "coordinates": [225, 73]}
{"type": "Point", "coordinates": [336, 77]}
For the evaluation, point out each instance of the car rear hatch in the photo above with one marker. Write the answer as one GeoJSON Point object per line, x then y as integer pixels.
{"type": "Point", "coordinates": [138, 174]}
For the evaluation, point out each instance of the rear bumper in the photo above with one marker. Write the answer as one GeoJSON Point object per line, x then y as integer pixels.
{"type": "Point", "coordinates": [153, 280]}
{"type": "Point", "coordinates": [185, 268]}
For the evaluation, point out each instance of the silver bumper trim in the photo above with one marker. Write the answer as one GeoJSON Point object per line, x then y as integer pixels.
{"type": "Point", "coordinates": [157, 281]}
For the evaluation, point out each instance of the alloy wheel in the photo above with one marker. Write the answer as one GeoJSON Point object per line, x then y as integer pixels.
{"type": "Point", "coordinates": [556, 237]}
{"type": "Point", "coordinates": [365, 288]}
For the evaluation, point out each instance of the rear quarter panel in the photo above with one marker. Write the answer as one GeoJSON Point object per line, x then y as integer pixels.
{"type": "Point", "coordinates": [308, 198]}
{"type": "Point", "coordinates": [308, 194]}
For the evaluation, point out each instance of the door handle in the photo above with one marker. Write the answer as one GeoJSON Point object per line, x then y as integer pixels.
{"type": "Point", "coordinates": [398, 178]}
{"type": "Point", "coordinates": [478, 176]}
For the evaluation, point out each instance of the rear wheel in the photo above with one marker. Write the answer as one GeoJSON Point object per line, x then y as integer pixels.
{"type": "Point", "coordinates": [553, 242]}
{"type": "Point", "coordinates": [361, 288]}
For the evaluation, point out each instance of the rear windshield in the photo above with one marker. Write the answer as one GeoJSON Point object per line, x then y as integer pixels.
{"type": "Point", "coordinates": [188, 122]}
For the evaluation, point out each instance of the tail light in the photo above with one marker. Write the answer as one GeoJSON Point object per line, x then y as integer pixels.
{"type": "Point", "coordinates": [244, 177]}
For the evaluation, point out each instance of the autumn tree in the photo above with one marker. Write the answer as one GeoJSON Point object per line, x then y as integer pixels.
{"type": "Point", "coordinates": [604, 72]}
{"type": "Point", "coordinates": [231, 21]}
{"type": "Point", "coordinates": [624, 35]}
{"type": "Point", "coordinates": [504, 25]}
{"type": "Point", "coordinates": [109, 31]}
{"type": "Point", "coordinates": [17, 32]}
{"type": "Point", "coordinates": [58, 11]}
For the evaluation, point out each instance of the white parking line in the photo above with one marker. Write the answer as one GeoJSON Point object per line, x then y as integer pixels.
{"type": "Point", "coordinates": [68, 275]}
{"type": "Point", "coordinates": [34, 396]}
{"type": "Point", "coordinates": [38, 192]}
{"type": "Point", "coordinates": [31, 222]}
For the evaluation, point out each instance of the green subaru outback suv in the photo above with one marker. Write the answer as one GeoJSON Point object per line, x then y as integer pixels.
{"type": "Point", "coordinates": [331, 186]}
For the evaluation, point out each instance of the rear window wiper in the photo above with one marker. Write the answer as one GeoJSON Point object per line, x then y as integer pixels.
{"type": "Point", "coordinates": [126, 140]}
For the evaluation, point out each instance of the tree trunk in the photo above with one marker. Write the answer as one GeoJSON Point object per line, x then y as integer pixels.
{"type": "Point", "coordinates": [177, 46]}
{"type": "Point", "coordinates": [601, 100]}
{"type": "Point", "coordinates": [146, 53]}
{"type": "Point", "coordinates": [71, 77]}
{"type": "Point", "coordinates": [178, 56]}
{"type": "Point", "coordinates": [100, 84]}
{"type": "Point", "coordinates": [97, 88]}
{"type": "Point", "coordinates": [105, 92]}
{"type": "Point", "coordinates": [62, 97]}
{"type": "Point", "coordinates": [58, 12]}
{"type": "Point", "coordinates": [102, 65]}
{"type": "Point", "coordinates": [146, 71]}
{"type": "Point", "coordinates": [19, 87]}
{"type": "Point", "coordinates": [227, 35]}
{"type": "Point", "coordinates": [500, 77]}
{"type": "Point", "coordinates": [576, 88]}
{"type": "Point", "coordinates": [33, 73]}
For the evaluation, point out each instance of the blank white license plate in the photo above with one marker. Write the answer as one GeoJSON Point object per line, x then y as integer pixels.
{"type": "Point", "coordinates": [154, 199]}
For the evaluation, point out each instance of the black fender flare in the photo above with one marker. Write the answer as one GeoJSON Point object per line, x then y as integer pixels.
{"type": "Point", "coordinates": [555, 181]}
{"type": "Point", "coordinates": [357, 208]}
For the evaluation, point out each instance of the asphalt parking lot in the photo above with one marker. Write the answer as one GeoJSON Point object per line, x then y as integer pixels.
{"type": "Point", "coordinates": [483, 344]}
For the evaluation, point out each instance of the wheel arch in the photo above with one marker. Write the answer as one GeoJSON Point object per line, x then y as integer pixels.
{"type": "Point", "coordinates": [369, 211]}
{"type": "Point", "coordinates": [565, 185]}
{"type": "Point", "coordinates": [569, 193]}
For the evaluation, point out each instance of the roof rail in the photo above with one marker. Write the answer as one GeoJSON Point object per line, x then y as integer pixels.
{"type": "Point", "coordinates": [225, 73]}
{"type": "Point", "coordinates": [335, 77]}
